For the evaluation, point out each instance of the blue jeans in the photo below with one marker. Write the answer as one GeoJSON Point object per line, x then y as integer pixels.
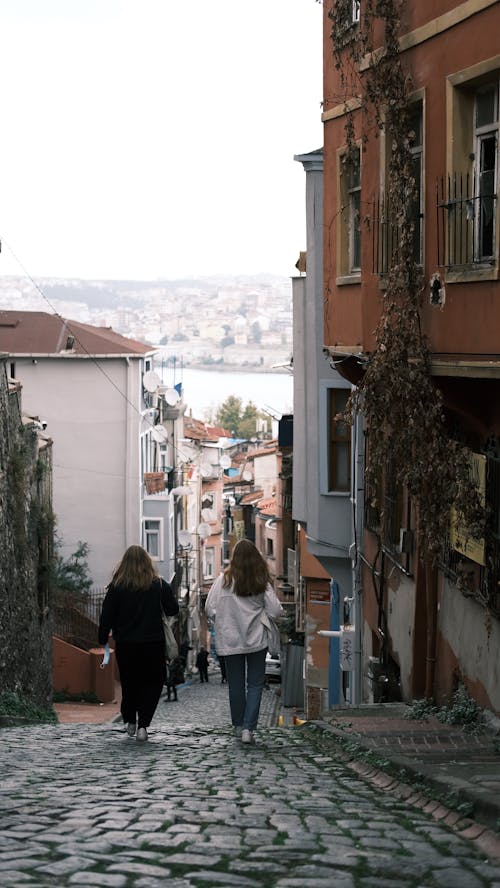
{"type": "Point", "coordinates": [245, 678]}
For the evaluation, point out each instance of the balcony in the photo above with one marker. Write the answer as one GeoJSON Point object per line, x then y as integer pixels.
{"type": "Point", "coordinates": [466, 223]}
{"type": "Point", "coordinates": [154, 482]}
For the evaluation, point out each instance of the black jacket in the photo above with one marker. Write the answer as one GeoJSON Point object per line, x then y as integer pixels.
{"type": "Point", "coordinates": [136, 617]}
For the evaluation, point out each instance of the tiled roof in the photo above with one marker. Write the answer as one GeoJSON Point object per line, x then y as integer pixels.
{"type": "Point", "coordinates": [219, 431]}
{"type": "Point", "coordinates": [40, 333]}
{"type": "Point", "coordinates": [251, 499]}
{"type": "Point", "coordinates": [198, 431]}
{"type": "Point", "coordinates": [267, 506]}
{"type": "Point", "coordinates": [269, 449]}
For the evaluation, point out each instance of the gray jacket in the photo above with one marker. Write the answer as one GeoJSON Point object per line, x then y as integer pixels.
{"type": "Point", "coordinates": [238, 626]}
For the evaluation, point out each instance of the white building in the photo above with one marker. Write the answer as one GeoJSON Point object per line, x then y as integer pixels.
{"type": "Point", "coordinates": [85, 383]}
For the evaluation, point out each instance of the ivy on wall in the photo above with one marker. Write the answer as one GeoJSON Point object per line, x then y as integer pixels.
{"type": "Point", "coordinates": [403, 407]}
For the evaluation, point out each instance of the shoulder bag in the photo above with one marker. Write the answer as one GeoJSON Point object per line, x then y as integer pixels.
{"type": "Point", "coordinates": [171, 646]}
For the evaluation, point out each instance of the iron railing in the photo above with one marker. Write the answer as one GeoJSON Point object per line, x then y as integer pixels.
{"type": "Point", "coordinates": [386, 236]}
{"type": "Point", "coordinates": [464, 221]}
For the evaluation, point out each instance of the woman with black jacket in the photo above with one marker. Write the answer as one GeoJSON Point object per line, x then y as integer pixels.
{"type": "Point", "coordinates": [132, 611]}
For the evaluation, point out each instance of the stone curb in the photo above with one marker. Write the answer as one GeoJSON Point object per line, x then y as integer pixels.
{"type": "Point", "coordinates": [481, 828]}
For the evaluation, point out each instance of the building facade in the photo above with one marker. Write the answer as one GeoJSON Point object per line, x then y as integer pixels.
{"type": "Point", "coordinates": [428, 623]}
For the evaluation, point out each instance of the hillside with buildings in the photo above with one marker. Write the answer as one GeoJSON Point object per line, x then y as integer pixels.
{"type": "Point", "coordinates": [241, 322]}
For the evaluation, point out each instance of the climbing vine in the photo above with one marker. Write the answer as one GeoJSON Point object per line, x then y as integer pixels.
{"type": "Point", "coordinates": [404, 410]}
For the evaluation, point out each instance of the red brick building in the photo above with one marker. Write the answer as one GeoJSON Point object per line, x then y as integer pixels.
{"type": "Point", "coordinates": [427, 627]}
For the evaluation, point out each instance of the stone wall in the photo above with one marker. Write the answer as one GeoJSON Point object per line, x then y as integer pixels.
{"type": "Point", "coordinates": [26, 534]}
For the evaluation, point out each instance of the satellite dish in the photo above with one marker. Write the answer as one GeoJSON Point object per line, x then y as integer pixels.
{"type": "Point", "coordinates": [172, 397]}
{"type": "Point", "coordinates": [247, 476]}
{"type": "Point", "coordinates": [204, 530]}
{"type": "Point", "coordinates": [225, 462]}
{"type": "Point", "coordinates": [183, 490]}
{"type": "Point", "coordinates": [151, 381]}
{"type": "Point", "coordinates": [184, 537]}
{"type": "Point", "coordinates": [158, 433]}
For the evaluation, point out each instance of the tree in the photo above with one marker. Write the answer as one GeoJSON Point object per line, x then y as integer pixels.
{"type": "Point", "coordinates": [229, 413]}
{"type": "Point", "coordinates": [72, 574]}
{"type": "Point", "coordinates": [248, 423]}
{"type": "Point", "coordinates": [242, 423]}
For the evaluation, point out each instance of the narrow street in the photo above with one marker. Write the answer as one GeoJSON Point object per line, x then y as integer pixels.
{"type": "Point", "coordinates": [86, 805]}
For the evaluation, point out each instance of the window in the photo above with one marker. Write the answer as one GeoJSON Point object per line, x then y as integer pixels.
{"type": "Point", "coordinates": [269, 547]}
{"type": "Point", "coordinates": [355, 10]}
{"type": "Point", "coordinates": [339, 442]}
{"type": "Point", "coordinates": [209, 565]}
{"type": "Point", "coordinates": [485, 169]}
{"type": "Point", "coordinates": [354, 201]}
{"type": "Point", "coordinates": [153, 538]}
{"type": "Point", "coordinates": [349, 240]}
{"type": "Point", "coordinates": [386, 234]}
{"type": "Point", "coordinates": [467, 200]}
{"type": "Point", "coordinates": [417, 151]}
{"type": "Point", "coordinates": [209, 501]}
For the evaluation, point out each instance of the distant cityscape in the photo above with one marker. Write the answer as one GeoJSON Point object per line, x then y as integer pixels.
{"type": "Point", "coordinates": [219, 321]}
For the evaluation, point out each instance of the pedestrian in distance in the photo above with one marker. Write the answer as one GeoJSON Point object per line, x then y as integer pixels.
{"type": "Point", "coordinates": [132, 611]}
{"type": "Point", "coordinates": [174, 677]}
{"type": "Point", "coordinates": [236, 602]}
{"type": "Point", "coordinates": [202, 664]}
{"type": "Point", "coordinates": [170, 680]}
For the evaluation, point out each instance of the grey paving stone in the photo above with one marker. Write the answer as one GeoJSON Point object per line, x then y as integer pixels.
{"type": "Point", "coordinates": [453, 877]}
{"type": "Point", "coordinates": [102, 880]}
{"type": "Point", "coordinates": [196, 805]}
{"type": "Point", "coordinates": [216, 879]}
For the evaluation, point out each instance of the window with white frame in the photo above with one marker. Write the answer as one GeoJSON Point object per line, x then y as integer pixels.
{"type": "Point", "coordinates": [153, 537]}
{"type": "Point", "coordinates": [355, 10]}
{"type": "Point", "coordinates": [209, 563]}
{"type": "Point", "coordinates": [485, 168]}
{"type": "Point", "coordinates": [467, 192]}
{"type": "Point", "coordinates": [339, 442]}
{"type": "Point", "coordinates": [349, 229]}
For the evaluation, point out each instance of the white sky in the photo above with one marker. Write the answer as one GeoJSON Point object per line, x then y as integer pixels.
{"type": "Point", "coordinates": [156, 137]}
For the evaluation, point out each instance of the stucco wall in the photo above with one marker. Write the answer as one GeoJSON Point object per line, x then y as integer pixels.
{"type": "Point", "coordinates": [468, 648]}
{"type": "Point", "coordinates": [400, 616]}
{"type": "Point", "coordinates": [94, 424]}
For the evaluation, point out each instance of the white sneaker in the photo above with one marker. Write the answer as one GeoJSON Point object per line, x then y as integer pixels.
{"type": "Point", "coordinates": [247, 736]}
{"type": "Point", "coordinates": [142, 735]}
{"type": "Point", "coordinates": [130, 729]}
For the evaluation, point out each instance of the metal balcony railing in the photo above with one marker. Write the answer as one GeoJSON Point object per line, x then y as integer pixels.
{"type": "Point", "coordinates": [466, 222]}
{"type": "Point", "coordinates": [386, 236]}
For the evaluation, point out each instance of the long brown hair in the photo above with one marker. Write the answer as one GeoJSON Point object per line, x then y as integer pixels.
{"type": "Point", "coordinates": [247, 570]}
{"type": "Point", "coordinates": [136, 570]}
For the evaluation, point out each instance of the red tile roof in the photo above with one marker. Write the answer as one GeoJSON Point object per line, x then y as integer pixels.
{"type": "Point", "coordinates": [267, 506]}
{"type": "Point", "coordinates": [40, 333]}
{"type": "Point", "coordinates": [251, 499]}
{"type": "Point", "coordinates": [198, 431]}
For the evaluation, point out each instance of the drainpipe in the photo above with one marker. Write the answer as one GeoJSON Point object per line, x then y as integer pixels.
{"type": "Point", "coordinates": [431, 609]}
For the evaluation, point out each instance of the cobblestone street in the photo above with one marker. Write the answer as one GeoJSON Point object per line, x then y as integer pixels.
{"type": "Point", "coordinates": [87, 805]}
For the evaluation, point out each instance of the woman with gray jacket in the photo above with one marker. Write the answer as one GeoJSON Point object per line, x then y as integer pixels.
{"type": "Point", "coordinates": [237, 601]}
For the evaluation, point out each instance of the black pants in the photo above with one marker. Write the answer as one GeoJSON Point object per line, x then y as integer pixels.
{"type": "Point", "coordinates": [171, 689]}
{"type": "Point", "coordinates": [142, 676]}
{"type": "Point", "coordinates": [203, 668]}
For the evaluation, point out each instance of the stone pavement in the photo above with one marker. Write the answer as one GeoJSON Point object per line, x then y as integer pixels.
{"type": "Point", "coordinates": [87, 805]}
{"type": "Point", "coordinates": [455, 764]}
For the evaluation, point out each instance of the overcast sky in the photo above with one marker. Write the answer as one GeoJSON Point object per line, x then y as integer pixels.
{"type": "Point", "coordinates": [155, 138]}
